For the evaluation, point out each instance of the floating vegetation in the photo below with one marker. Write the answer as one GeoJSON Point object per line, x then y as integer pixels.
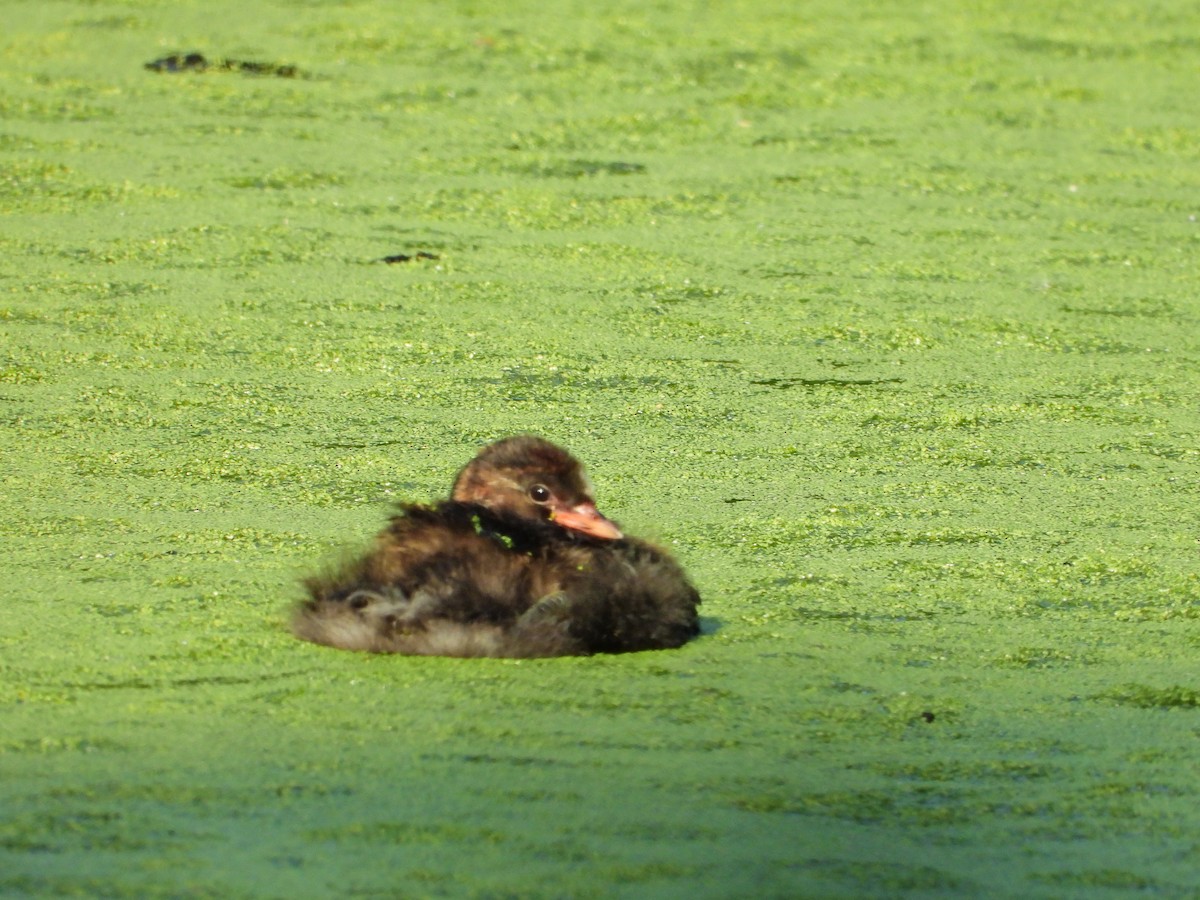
{"type": "Point", "coordinates": [1146, 697]}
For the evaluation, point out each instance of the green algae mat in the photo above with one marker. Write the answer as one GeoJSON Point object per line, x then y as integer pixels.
{"type": "Point", "coordinates": [882, 316]}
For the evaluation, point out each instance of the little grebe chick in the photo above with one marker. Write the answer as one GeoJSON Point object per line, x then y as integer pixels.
{"type": "Point", "coordinates": [518, 563]}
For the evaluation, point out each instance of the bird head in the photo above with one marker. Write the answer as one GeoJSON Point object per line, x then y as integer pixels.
{"type": "Point", "coordinates": [531, 478]}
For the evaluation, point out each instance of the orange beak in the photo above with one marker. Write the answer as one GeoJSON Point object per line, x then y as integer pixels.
{"type": "Point", "coordinates": [586, 519]}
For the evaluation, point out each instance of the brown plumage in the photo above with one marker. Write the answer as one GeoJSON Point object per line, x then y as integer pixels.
{"type": "Point", "coordinates": [517, 563]}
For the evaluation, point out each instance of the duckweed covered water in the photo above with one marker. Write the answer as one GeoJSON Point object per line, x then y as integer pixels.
{"type": "Point", "coordinates": [883, 318]}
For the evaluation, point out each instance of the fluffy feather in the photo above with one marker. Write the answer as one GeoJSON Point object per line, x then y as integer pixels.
{"type": "Point", "coordinates": [517, 564]}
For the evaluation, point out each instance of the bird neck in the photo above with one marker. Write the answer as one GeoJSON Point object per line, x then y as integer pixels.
{"type": "Point", "coordinates": [518, 533]}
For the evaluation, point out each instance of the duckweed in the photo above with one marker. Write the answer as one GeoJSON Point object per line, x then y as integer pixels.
{"type": "Point", "coordinates": [884, 323]}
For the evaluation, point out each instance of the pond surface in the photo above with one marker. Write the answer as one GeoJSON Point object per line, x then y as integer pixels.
{"type": "Point", "coordinates": [883, 321]}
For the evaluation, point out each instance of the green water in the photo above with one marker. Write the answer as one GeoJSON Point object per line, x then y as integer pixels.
{"type": "Point", "coordinates": [882, 316]}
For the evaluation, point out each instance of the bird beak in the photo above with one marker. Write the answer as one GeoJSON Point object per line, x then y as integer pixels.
{"type": "Point", "coordinates": [586, 519]}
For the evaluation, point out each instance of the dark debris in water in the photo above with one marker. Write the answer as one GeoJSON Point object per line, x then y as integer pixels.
{"type": "Point", "coordinates": [408, 257]}
{"type": "Point", "coordinates": [198, 62]}
{"type": "Point", "coordinates": [585, 168]}
{"type": "Point", "coordinates": [826, 382]}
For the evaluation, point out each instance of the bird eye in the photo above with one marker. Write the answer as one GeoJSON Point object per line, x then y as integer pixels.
{"type": "Point", "coordinates": [540, 493]}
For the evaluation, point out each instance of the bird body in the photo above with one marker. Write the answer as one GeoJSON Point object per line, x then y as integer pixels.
{"type": "Point", "coordinates": [518, 563]}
